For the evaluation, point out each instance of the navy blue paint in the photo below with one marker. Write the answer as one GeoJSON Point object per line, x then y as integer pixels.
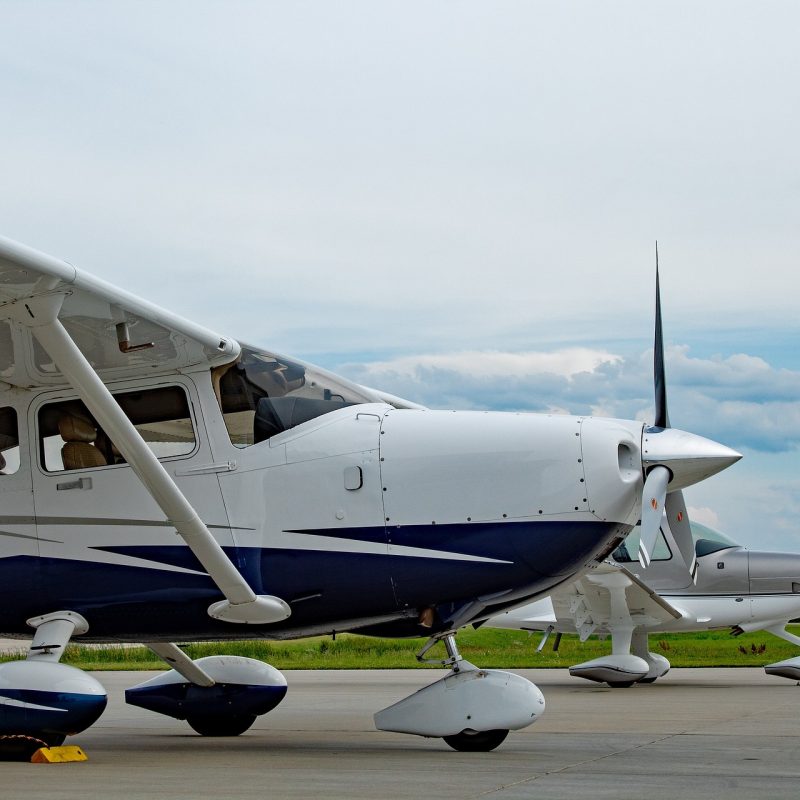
{"type": "Point", "coordinates": [226, 699]}
{"type": "Point", "coordinates": [79, 712]}
{"type": "Point", "coordinates": [322, 586]}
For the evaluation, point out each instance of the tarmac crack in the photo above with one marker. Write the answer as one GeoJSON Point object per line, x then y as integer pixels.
{"type": "Point", "coordinates": [567, 767]}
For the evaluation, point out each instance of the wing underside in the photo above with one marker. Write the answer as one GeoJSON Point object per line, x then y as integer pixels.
{"type": "Point", "coordinates": [587, 607]}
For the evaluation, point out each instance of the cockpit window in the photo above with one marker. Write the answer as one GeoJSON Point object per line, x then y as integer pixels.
{"type": "Point", "coordinates": [263, 394]}
{"type": "Point", "coordinates": [628, 551]}
{"type": "Point", "coordinates": [707, 540]}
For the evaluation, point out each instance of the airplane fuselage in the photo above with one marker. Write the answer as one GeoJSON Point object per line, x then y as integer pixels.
{"type": "Point", "coordinates": [360, 517]}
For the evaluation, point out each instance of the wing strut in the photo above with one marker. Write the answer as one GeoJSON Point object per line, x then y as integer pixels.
{"type": "Point", "coordinates": [40, 314]}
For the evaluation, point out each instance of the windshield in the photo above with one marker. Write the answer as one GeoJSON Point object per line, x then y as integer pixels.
{"type": "Point", "coordinates": [707, 540]}
{"type": "Point", "coordinates": [628, 551]}
{"type": "Point", "coordinates": [263, 394]}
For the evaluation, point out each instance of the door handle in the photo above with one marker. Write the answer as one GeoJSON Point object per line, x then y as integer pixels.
{"type": "Point", "coordinates": [81, 483]}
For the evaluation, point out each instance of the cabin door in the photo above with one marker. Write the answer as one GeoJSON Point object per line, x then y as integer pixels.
{"type": "Point", "coordinates": [103, 539]}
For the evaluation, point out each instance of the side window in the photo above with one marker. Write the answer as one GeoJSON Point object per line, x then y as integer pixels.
{"type": "Point", "coordinates": [9, 441]}
{"type": "Point", "coordinates": [70, 438]}
{"type": "Point", "coordinates": [628, 551]}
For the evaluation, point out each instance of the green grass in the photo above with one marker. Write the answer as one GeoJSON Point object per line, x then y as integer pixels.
{"type": "Point", "coordinates": [484, 647]}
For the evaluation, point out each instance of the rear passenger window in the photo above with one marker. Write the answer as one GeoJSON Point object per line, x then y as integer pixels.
{"type": "Point", "coordinates": [70, 437]}
{"type": "Point", "coordinates": [9, 441]}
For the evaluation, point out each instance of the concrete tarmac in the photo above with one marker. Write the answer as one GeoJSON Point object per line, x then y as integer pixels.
{"type": "Point", "coordinates": [697, 733]}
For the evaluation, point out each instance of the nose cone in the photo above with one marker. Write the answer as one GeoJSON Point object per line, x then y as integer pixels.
{"type": "Point", "coordinates": [690, 458]}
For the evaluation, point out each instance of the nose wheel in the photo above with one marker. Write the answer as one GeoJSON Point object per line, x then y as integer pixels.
{"type": "Point", "coordinates": [472, 709]}
{"type": "Point", "coordinates": [467, 741]}
{"type": "Point", "coordinates": [477, 742]}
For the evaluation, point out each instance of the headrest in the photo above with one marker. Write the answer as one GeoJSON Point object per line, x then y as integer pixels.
{"type": "Point", "coordinates": [76, 429]}
{"type": "Point", "coordinates": [81, 455]}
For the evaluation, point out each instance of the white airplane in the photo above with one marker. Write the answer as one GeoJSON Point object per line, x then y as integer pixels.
{"type": "Point", "coordinates": [163, 483]}
{"type": "Point", "coordinates": [744, 590]}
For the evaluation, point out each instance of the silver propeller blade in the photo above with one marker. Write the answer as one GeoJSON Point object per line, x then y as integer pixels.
{"type": "Point", "coordinates": [653, 497]}
{"type": "Point", "coordinates": [678, 521]}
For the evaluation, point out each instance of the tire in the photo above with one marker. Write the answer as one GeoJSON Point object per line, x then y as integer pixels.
{"type": "Point", "coordinates": [620, 684]}
{"type": "Point", "coordinates": [20, 747]}
{"type": "Point", "coordinates": [220, 725]}
{"type": "Point", "coordinates": [480, 742]}
{"type": "Point", "coordinates": [648, 680]}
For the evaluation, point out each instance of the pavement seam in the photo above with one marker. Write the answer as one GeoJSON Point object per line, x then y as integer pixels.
{"type": "Point", "coordinates": [567, 767]}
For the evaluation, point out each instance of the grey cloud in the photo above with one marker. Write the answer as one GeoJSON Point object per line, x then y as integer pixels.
{"type": "Point", "coordinates": [739, 400]}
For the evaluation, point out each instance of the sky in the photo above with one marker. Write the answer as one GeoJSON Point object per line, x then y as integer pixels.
{"type": "Point", "coordinates": [457, 202]}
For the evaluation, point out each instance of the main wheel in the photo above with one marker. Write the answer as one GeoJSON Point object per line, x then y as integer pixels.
{"type": "Point", "coordinates": [478, 742]}
{"type": "Point", "coordinates": [220, 724]}
{"type": "Point", "coordinates": [648, 680]}
{"type": "Point", "coordinates": [20, 747]}
{"type": "Point", "coordinates": [620, 684]}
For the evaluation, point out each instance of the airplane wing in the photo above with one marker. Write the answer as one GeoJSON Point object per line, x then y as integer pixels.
{"type": "Point", "coordinates": [120, 335]}
{"type": "Point", "coordinates": [587, 603]}
{"type": "Point", "coordinates": [585, 606]}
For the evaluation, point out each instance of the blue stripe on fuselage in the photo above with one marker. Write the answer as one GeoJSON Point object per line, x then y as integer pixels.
{"type": "Point", "coordinates": [134, 602]}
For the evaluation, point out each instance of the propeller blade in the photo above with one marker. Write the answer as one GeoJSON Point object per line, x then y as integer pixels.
{"type": "Point", "coordinates": [659, 373]}
{"type": "Point", "coordinates": [678, 521]}
{"type": "Point", "coordinates": [653, 497]}
{"type": "Point", "coordinates": [690, 458]}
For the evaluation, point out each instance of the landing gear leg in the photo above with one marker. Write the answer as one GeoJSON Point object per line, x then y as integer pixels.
{"type": "Point", "coordinates": [659, 666]}
{"type": "Point", "coordinates": [621, 669]}
{"type": "Point", "coordinates": [453, 656]}
{"type": "Point", "coordinates": [471, 709]}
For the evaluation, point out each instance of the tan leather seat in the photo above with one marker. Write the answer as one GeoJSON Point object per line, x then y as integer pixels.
{"type": "Point", "coordinates": [79, 451]}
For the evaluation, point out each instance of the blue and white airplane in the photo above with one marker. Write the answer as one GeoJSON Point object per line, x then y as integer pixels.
{"type": "Point", "coordinates": [162, 483]}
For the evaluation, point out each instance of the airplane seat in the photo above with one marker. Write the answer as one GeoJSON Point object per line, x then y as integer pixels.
{"type": "Point", "coordinates": [116, 456]}
{"type": "Point", "coordinates": [79, 451]}
{"type": "Point", "coordinates": [108, 449]}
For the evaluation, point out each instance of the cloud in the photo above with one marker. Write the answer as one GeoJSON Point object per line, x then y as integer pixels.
{"type": "Point", "coordinates": [740, 400]}
{"type": "Point", "coordinates": [493, 364]}
{"type": "Point", "coordinates": [705, 516]}
{"type": "Point", "coordinates": [757, 501]}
